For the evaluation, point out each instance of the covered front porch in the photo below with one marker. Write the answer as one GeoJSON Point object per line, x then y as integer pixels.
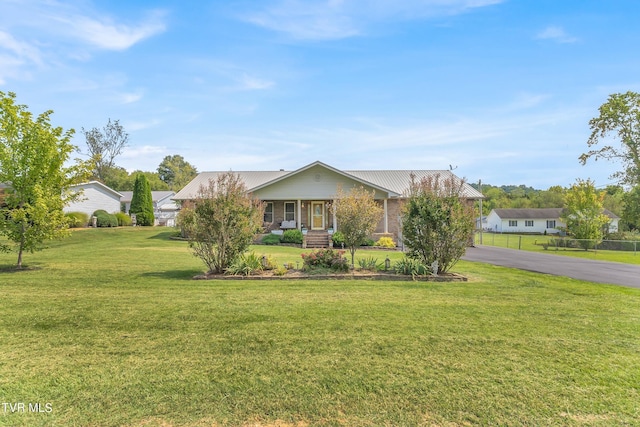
{"type": "Point", "coordinates": [312, 215]}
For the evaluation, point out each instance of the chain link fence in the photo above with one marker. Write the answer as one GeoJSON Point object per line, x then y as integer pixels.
{"type": "Point", "coordinates": [537, 242]}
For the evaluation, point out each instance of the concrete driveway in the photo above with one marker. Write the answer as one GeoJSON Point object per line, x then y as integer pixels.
{"type": "Point", "coordinates": [558, 265]}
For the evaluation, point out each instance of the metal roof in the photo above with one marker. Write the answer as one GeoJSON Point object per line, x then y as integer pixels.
{"type": "Point", "coordinates": [539, 213]}
{"type": "Point", "coordinates": [395, 182]}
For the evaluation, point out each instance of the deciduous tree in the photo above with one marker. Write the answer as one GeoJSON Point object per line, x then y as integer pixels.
{"type": "Point", "coordinates": [437, 222]}
{"type": "Point", "coordinates": [104, 145]}
{"type": "Point", "coordinates": [221, 222]}
{"type": "Point", "coordinates": [619, 117]}
{"type": "Point", "coordinates": [176, 172]}
{"type": "Point", "coordinates": [358, 215]}
{"type": "Point", "coordinates": [583, 215]}
{"type": "Point", "coordinates": [34, 168]}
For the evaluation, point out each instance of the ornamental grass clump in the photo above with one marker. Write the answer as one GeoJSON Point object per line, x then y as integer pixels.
{"type": "Point", "coordinates": [329, 259]}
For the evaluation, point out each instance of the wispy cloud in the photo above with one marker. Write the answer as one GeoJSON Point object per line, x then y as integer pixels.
{"type": "Point", "coordinates": [105, 34]}
{"type": "Point", "coordinates": [339, 19]}
{"type": "Point", "coordinates": [134, 152]}
{"type": "Point", "coordinates": [556, 34]}
{"type": "Point", "coordinates": [248, 82]}
{"type": "Point", "coordinates": [43, 33]}
{"type": "Point", "coordinates": [130, 98]}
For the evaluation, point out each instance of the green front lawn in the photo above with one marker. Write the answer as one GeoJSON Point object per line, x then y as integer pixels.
{"type": "Point", "coordinates": [108, 328]}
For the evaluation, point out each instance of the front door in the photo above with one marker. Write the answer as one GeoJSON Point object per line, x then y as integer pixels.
{"type": "Point", "coordinates": [317, 215]}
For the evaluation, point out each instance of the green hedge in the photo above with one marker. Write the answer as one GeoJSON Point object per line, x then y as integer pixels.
{"type": "Point", "coordinates": [292, 236]}
{"type": "Point", "coordinates": [271, 239]}
{"type": "Point", "coordinates": [105, 219]}
{"type": "Point", "coordinates": [77, 219]}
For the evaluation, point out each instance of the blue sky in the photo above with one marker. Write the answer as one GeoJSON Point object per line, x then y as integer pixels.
{"type": "Point", "coordinates": [500, 90]}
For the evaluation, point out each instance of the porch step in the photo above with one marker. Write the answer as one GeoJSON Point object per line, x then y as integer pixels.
{"type": "Point", "coordinates": [317, 239]}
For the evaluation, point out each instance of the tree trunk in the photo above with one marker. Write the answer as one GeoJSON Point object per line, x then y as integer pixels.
{"type": "Point", "coordinates": [21, 249]}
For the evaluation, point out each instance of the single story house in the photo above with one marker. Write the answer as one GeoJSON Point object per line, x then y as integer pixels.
{"type": "Point", "coordinates": [95, 196]}
{"type": "Point", "coordinates": [534, 221]}
{"type": "Point", "coordinates": [301, 198]}
{"type": "Point", "coordinates": [164, 207]}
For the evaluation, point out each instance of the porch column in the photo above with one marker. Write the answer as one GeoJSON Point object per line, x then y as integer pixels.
{"type": "Point", "coordinates": [386, 217]}
{"type": "Point", "coordinates": [299, 216]}
{"type": "Point", "coordinates": [335, 218]}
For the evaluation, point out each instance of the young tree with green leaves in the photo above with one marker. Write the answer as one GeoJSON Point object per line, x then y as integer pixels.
{"type": "Point", "coordinates": [34, 168]}
{"type": "Point", "coordinates": [620, 118]}
{"type": "Point", "coordinates": [358, 215]}
{"type": "Point", "coordinates": [583, 215]}
{"type": "Point", "coordinates": [437, 222]}
{"type": "Point", "coordinates": [142, 202]}
{"type": "Point", "coordinates": [221, 222]}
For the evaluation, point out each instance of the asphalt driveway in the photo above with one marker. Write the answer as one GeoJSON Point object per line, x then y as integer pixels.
{"type": "Point", "coordinates": [558, 265]}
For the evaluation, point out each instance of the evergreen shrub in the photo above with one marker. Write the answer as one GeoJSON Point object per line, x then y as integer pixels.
{"type": "Point", "coordinates": [338, 239]}
{"type": "Point", "coordinates": [271, 239]}
{"type": "Point", "coordinates": [105, 219]}
{"type": "Point", "coordinates": [292, 236]}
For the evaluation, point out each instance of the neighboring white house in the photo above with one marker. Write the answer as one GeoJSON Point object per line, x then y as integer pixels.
{"type": "Point", "coordinates": [164, 208]}
{"type": "Point", "coordinates": [533, 221]}
{"type": "Point", "coordinates": [95, 196]}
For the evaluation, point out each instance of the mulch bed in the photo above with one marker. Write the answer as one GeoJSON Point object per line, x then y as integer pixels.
{"type": "Point", "coordinates": [355, 275]}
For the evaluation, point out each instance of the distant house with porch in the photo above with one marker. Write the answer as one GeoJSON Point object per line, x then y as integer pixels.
{"type": "Point", "coordinates": [534, 221]}
{"type": "Point", "coordinates": [301, 198]}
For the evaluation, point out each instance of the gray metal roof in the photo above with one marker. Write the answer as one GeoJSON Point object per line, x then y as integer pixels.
{"type": "Point", "coordinates": [539, 213]}
{"type": "Point", "coordinates": [392, 181]}
{"type": "Point", "coordinates": [155, 195]}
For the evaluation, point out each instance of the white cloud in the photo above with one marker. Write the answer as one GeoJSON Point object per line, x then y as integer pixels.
{"type": "Point", "coordinates": [338, 19]}
{"type": "Point", "coordinates": [557, 34]}
{"type": "Point", "coordinates": [146, 150]}
{"type": "Point", "coordinates": [108, 35]}
{"type": "Point", "coordinates": [43, 33]}
{"type": "Point", "coordinates": [130, 98]}
{"type": "Point", "coordinates": [136, 126]}
{"type": "Point", "coordinates": [254, 83]}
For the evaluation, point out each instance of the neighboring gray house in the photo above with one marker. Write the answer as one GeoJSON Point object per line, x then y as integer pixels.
{"type": "Point", "coordinates": [533, 221]}
{"type": "Point", "coordinates": [95, 196]}
{"type": "Point", "coordinates": [164, 208]}
{"type": "Point", "coordinates": [302, 198]}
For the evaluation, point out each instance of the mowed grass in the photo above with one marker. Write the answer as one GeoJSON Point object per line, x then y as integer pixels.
{"type": "Point", "coordinates": [534, 243]}
{"type": "Point", "coordinates": [110, 330]}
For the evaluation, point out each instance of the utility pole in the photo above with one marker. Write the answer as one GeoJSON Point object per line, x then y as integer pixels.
{"type": "Point", "coordinates": [480, 190]}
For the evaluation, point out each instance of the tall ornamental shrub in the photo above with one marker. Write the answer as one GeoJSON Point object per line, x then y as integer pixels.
{"type": "Point", "coordinates": [221, 222]}
{"type": "Point", "coordinates": [437, 222]}
{"type": "Point", "coordinates": [142, 202]}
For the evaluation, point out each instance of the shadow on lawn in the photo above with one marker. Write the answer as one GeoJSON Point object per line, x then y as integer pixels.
{"type": "Point", "coordinates": [173, 274]}
{"type": "Point", "coordinates": [164, 235]}
{"type": "Point", "coordinates": [11, 268]}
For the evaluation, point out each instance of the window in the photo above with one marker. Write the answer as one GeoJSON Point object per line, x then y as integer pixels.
{"type": "Point", "coordinates": [268, 212]}
{"type": "Point", "coordinates": [528, 223]}
{"type": "Point", "coordinates": [513, 223]}
{"type": "Point", "coordinates": [289, 211]}
{"type": "Point", "coordinates": [551, 223]}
